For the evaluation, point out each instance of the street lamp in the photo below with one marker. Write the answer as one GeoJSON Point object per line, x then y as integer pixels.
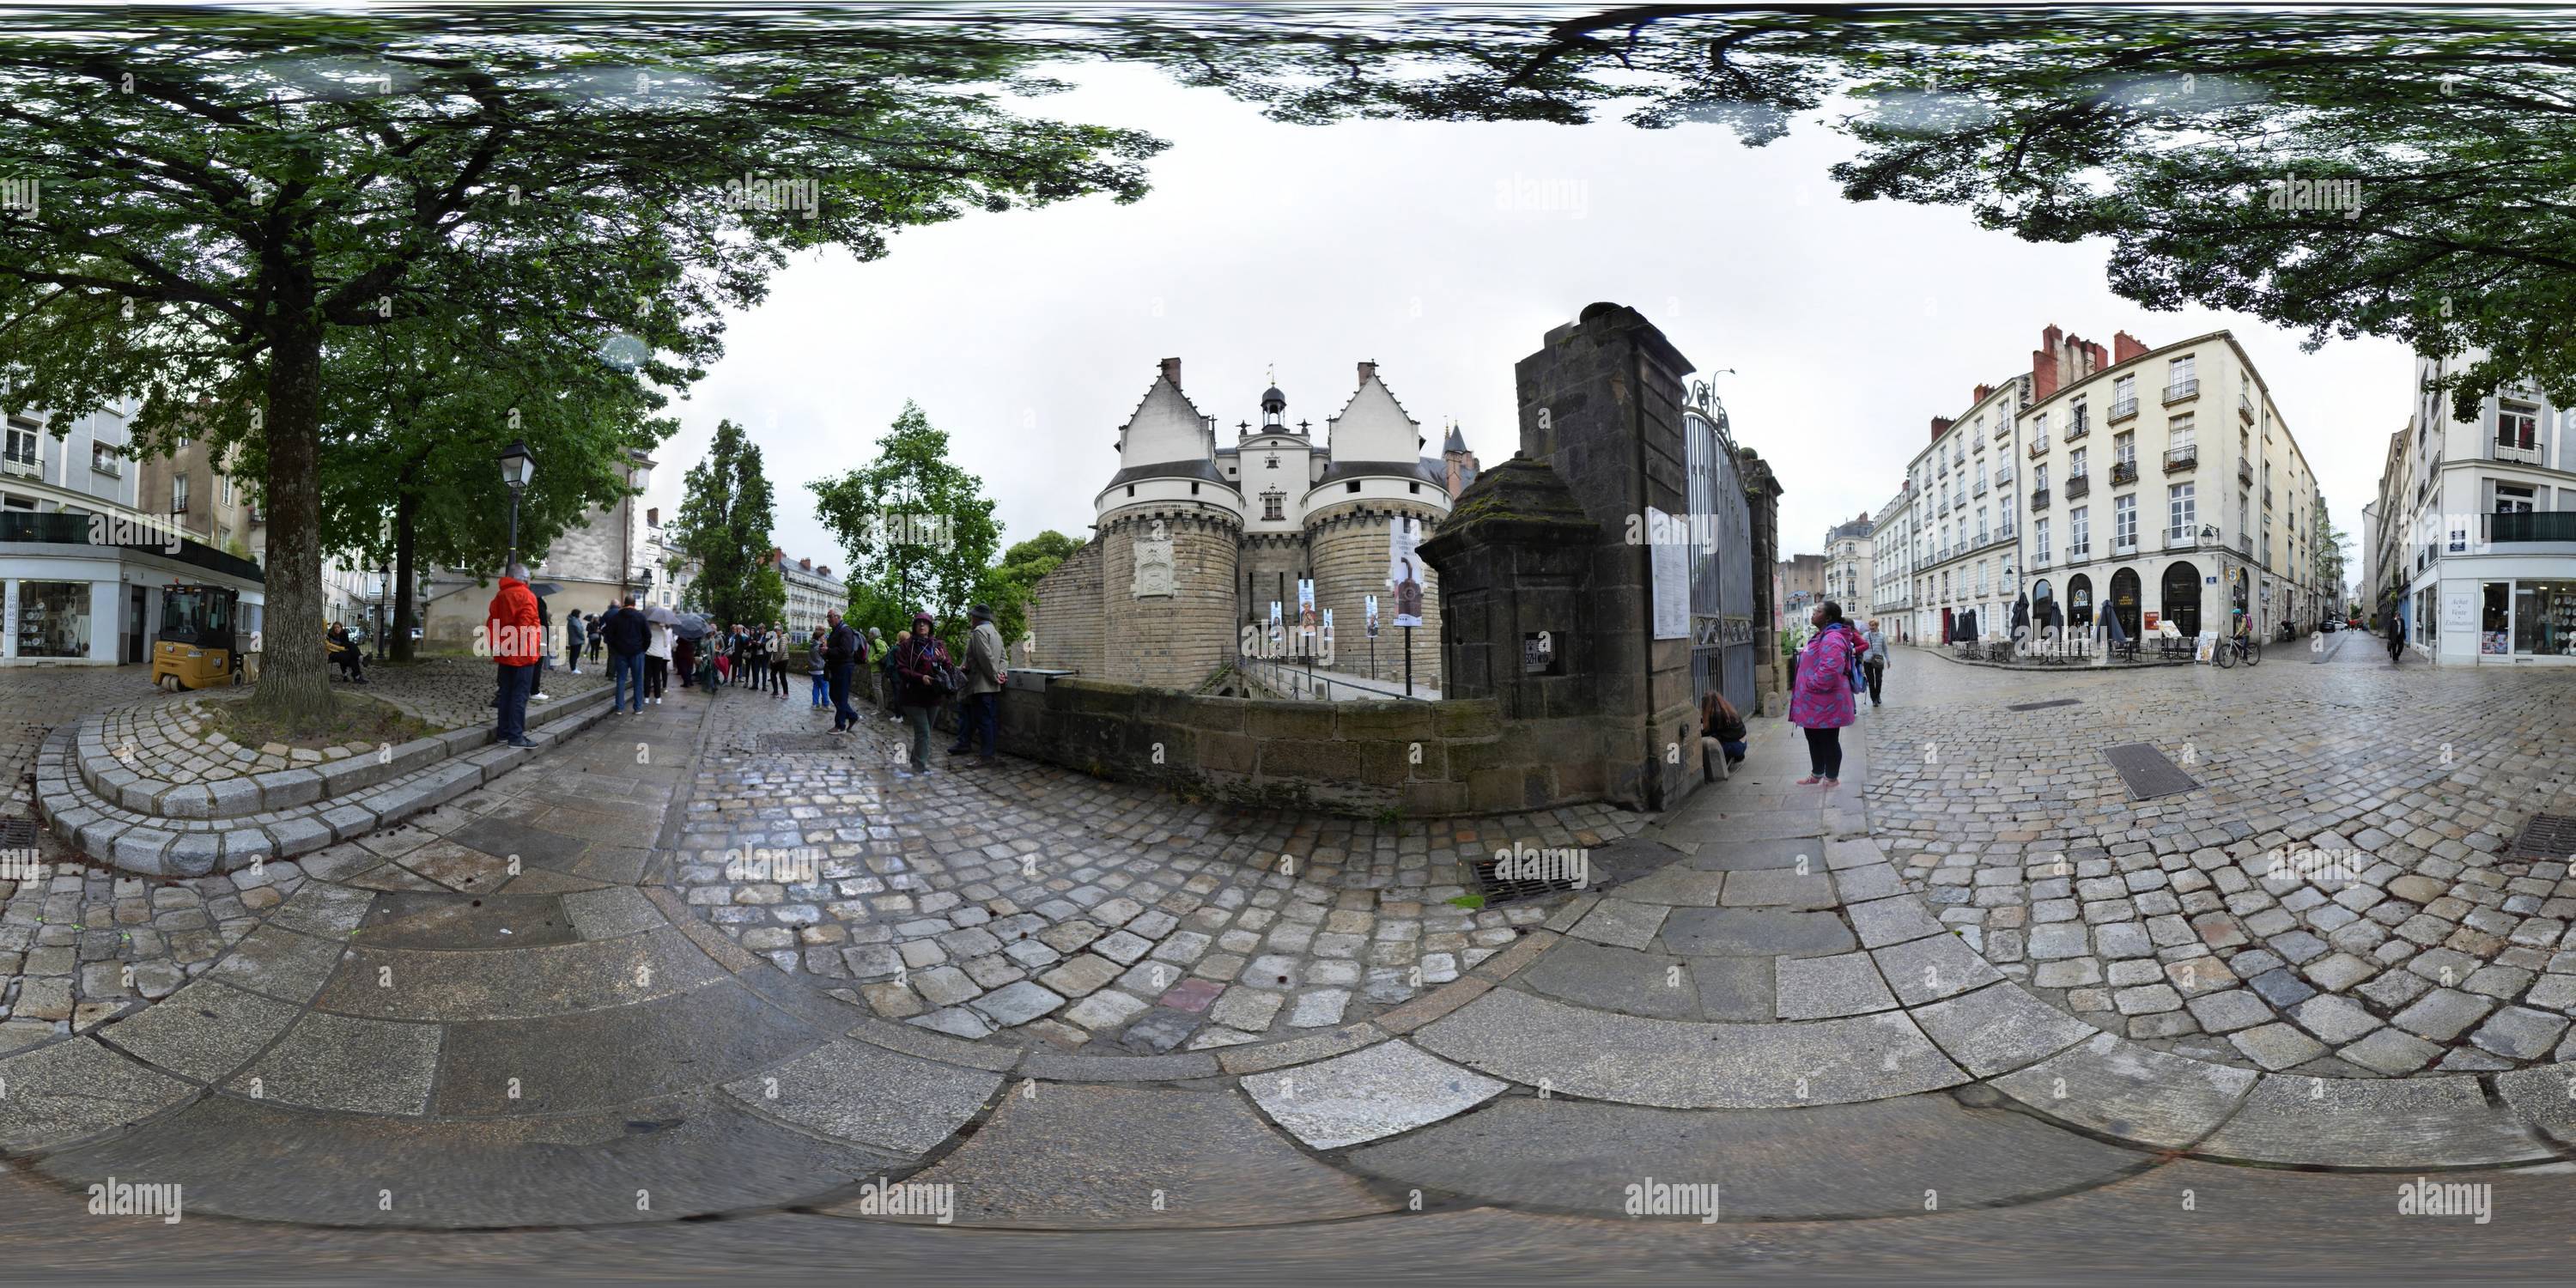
{"type": "Point", "coordinates": [516, 469]}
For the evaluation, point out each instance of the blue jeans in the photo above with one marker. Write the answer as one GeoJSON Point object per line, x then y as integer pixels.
{"type": "Point", "coordinates": [517, 682]}
{"type": "Point", "coordinates": [623, 667]}
{"type": "Point", "coordinates": [844, 716]}
{"type": "Point", "coordinates": [822, 685]}
{"type": "Point", "coordinates": [978, 713]}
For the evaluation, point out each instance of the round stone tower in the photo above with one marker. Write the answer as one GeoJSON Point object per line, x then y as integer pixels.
{"type": "Point", "coordinates": [1169, 585]}
{"type": "Point", "coordinates": [1348, 543]}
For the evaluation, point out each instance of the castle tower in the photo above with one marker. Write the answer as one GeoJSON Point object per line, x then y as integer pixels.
{"type": "Point", "coordinates": [1457, 463]}
{"type": "Point", "coordinates": [1277, 464]}
{"type": "Point", "coordinates": [1374, 477]}
{"type": "Point", "coordinates": [1170, 525]}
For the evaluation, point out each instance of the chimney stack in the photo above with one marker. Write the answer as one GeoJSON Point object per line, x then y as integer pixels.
{"type": "Point", "coordinates": [1367, 369]}
{"type": "Point", "coordinates": [805, 565]}
{"type": "Point", "coordinates": [1939, 423]}
{"type": "Point", "coordinates": [2125, 346]}
{"type": "Point", "coordinates": [1172, 371]}
{"type": "Point", "coordinates": [1980, 394]}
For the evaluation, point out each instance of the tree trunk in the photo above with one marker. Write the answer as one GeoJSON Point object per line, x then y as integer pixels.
{"type": "Point", "coordinates": [294, 682]}
{"type": "Point", "coordinates": [406, 518]}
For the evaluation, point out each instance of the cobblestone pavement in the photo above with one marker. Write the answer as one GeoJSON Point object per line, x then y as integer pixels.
{"type": "Point", "coordinates": [79, 946]}
{"type": "Point", "coordinates": [2338, 897]}
{"type": "Point", "coordinates": [1090, 915]}
{"type": "Point", "coordinates": [171, 741]}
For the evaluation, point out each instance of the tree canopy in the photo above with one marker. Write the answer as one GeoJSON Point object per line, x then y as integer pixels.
{"type": "Point", "coordinates": [917, 529]}
{"type": "Point", "coordinates": [724, 525]}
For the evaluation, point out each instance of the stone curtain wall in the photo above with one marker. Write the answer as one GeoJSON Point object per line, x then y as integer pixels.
{"type": "Point", "coordinates": [1275, 562]}
{"type": "Point", "coordinates": [1344, 757]}
{"type": "Point", "coordinates": [1069, 615]}
{"type": "Point", "coordinates": [1173, 642]}
{"type": "Point", "coordinates": [1349, 542]}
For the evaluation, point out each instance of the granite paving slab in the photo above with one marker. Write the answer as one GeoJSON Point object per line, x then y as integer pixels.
{"type": "Point", "coordinates": [857, 1091]}
{"type": "Point", "coordinates": [1371, 1093]}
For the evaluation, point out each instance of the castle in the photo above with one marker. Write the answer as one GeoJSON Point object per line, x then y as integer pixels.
{"type": "Point", "coordinates": [1194, 542]}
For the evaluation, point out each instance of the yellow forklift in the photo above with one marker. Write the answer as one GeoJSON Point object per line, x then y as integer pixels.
{"type": "Point", "coordinates": [195, 645]}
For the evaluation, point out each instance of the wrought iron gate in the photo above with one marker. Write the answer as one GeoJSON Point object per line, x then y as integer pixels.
{"type": "Point", "coordinates": [1722, 571]}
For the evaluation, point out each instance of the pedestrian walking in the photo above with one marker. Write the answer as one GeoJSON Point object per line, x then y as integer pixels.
{"type": "Point", "coordinates": [574, 629]}
{"type": "Point", "coordinates": [843, 654]}
{"type": "Point", "coordinates": [626, 636]}
{"type": "Point", "coordinates": [517, 640]}
{"type": "Point", "coordinates": [1873, 662]}
{"type": "Point", "coordinates": [781, 646]}
{"type": "Point", "coordinates": [2396, 618]}
{"type": "Point", "coordinates": [1821, 700]}
{"type": "Point", "coordinates": [979, 712]}
{"type": "Point", "coordinates": [657, 660]}
{"type": "Point", "coordinates": [684, 658]}
{"type": "Point", "coordinates": [921, 663]}
{"type": "Point", "coordinates": [816, 669]}
{"type": "Point", "coordinates": [598, 645]}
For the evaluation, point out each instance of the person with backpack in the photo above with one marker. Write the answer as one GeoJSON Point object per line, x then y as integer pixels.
{"type": "Point", "coordinates": [843, 654]}
{"type": "Point", "coordinates": [572, 642]}
{"type": "Point", "coordinates": [1873, 658]}
{"type": "Point", "coordinates": [626, 635]}
{"type": "Point", "coordinates": [782, 647]}
{"type": "Point", "coordinates": [922, 665]}
{"type": "Point", "coordinates": [1821, 700]}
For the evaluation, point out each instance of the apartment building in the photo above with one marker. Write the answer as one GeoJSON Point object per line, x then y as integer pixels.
{"type": "Point", "coordinates": [1892, 541]}
{"type": "Point", "coordinates": [2479, 525]}
{"type": "Point", "coordinates": [2161, 484]}
{"type": "Point", "coordinates": [1847, 564]}
{"type": "Point", "coordinates": [811, 591]}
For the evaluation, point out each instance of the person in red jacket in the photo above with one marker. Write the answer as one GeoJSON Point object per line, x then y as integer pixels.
{"type": "Point", "coordinates": [517, 639]}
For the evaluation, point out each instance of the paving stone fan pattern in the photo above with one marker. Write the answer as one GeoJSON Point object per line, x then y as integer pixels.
{"type": "Point", "coordinates": [1044, 906]}
{"type": "Point", "coordinates": [2336, 899]}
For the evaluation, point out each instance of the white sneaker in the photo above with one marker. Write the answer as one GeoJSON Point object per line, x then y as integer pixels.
{"type": "Point", "coordinates": [541, 697]}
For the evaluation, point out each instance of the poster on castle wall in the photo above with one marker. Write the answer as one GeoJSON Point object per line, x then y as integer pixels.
{"type": "Point", "coordinates": [1372, 617]}
{"type": "Point", "coordinates": [1672, 580]}
{"type": "Point", "coordinates": [1306, 607]}
{"type": "Point", "coordinates": [1278, 631]}
{"type": "Point", "coordinates": [1154, 564]}
{"type": "Point", "coordinates": [1403, 574]}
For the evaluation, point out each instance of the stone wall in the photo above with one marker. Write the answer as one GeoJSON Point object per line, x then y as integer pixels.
{"type": "Point", "coordinates": [1069, 616]}
{"type": "Point", "coordinates": [1424, 759]}
{"type": "Point", "coordinates": [1178, 641]}
{"type": "Point", "coordinates": [1275, 562]}
{"type": "Point", "coordinates": [1349, 542]}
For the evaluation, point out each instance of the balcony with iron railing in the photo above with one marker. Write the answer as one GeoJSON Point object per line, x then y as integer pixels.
{"type": "Point", "coordinates": [2124, 473]}
{"type": "Point", "coordinates": [2078, 551]}
{"type": "Point", "coordinates": [1979, 489]}
{"type": "Point", "coordinates": [2179, 459]}
{"type": "Point", "coordinates": [2267, 498]}
{"type": "Point", "coordinates": [2078, 485]}
{"type": "Point", "coordinates": [2123, 546]}
{"type": "Point", "coordinates": [2122, 409]}
{"type": "Point", "coordinates": [2527, 455]}
{"type": "Point", "coordinates": [2003, 479]}
{"type": "Point", "coordinates": [2245, 409]}
{"type": "Point", "coordinates": [2245, 473]}
{"type": "Point", "coordinates": [1941, 465]}
{"type": "Point", "coordinates": [2038, 500]}
{"type": "Point", "coordinates": [2003, 429]}
{"type": "Point", "coordinates": [2039, 446]}
{"type": "Point", "coordinates": [2079, 429]}
{"type": "Point", "coordinates": [2528, 525]}
{"type": "Point", "coordinates": [2039, 559]}
{"type": "Point", "coordinates": [2181, 391]}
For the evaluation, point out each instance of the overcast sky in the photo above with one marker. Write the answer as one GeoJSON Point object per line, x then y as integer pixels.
{"type": "Point", "coordinates": [1444, 253]}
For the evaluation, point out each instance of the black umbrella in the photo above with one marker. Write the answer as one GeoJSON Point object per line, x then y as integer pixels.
{"type": "Point", "coordinates": [545, 588]}
{"type": "Point", "coordinates": [690, 626]}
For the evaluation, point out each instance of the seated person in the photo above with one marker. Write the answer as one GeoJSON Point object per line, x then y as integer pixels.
{"type": "Point", "coordinates": [1721, 735]}
{"type": "Point", "coordinates": [345, 654]}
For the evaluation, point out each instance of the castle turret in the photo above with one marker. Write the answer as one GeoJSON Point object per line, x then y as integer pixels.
{"type": "Point", "coordinates": [1375, 479]}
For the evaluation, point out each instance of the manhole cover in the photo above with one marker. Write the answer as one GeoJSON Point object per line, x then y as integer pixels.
{"type": "Point", "coordinates": [1501, 889]}
{"type": "Point", "coordinates": [2052, 702]}
{"type": "Point", "coordinates": [2546, 836]}
{"type": "Point", "coordinates": [2148, 772]}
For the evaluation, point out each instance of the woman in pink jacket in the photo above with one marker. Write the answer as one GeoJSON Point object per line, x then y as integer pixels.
{"type": "Point", "coordinates": [1820, 697]}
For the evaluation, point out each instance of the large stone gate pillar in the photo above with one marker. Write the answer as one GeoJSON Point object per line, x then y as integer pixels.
{"type": "Point", "coordinates": [1543, 550]}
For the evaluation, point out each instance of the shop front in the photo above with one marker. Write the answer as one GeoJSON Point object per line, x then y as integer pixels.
{"type": "Point", "coordinates": [2526, 620]}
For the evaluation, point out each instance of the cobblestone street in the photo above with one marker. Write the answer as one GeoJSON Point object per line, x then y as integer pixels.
{"type": "Point", "coordinates": [2336, 898]}
{"type": "Point", "coordinates": [1030, 899]}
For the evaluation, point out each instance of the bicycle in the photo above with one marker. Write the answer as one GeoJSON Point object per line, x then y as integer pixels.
{"type": "Point", "coordinates": [2232, 649]}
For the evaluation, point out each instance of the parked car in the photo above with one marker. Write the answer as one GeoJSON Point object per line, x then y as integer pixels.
{"type": "Point", "coordinates": [2330, 624]}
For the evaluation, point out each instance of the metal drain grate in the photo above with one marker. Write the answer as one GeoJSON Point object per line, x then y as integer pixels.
{"type": "Point", "coordinates": [2148, 772]}
{"type": "Point", "coordinates": [2041, 706]}
{"type": "Point", "coordinates": [17, 833]}
{"type": "Point", "coordinates": [1497, 889]}
{"type": "Point", "coordinates": [2546, 836]}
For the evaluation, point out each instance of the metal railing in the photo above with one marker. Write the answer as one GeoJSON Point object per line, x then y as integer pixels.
{"type": "Point", "coordinates": [2039, 446]}
{"type": "Point", "coordinates": [2185, 457]}
{"type": "Point", "coordinates": [2516, 452]}
{"type": "Point", "coordinates": [2124, 473]}
{"type": "Point", "coordinates": [2181, 391]}
{"type": "Point", "coordinates": [2123, 409]}
{"type": "Point", "coordinates": [2245, 473]}
{"type": "Point", "coordinates": [2078, 485]}
{"type": "Point", "coordinates": [2038, 500]}
{"type": "Point", "coordinates": [2528, 525]}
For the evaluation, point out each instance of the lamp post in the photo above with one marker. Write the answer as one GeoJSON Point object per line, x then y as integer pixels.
{"type": "Point", "coordinates": [516, 468]}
